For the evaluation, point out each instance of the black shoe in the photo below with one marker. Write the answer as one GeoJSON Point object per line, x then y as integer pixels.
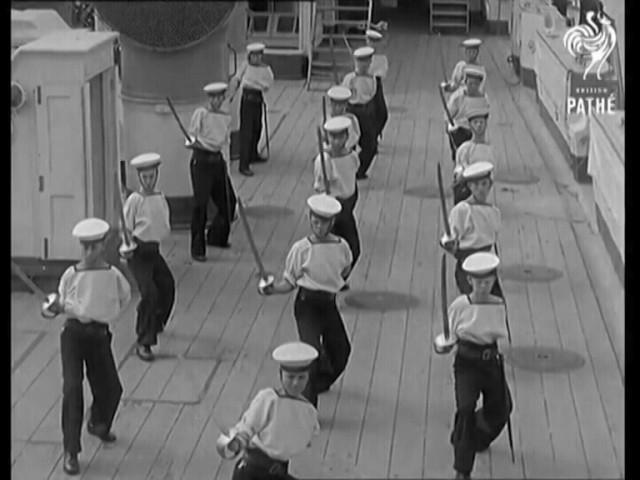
{"type": "Point", "coordinates": [101, 432]}
{"type": "Point", "coordinates": [361, 176]}
{"type": "Point", "coordinates": [144, 352]}
{"type": "Point", "coordinates": [246, 172]}
{"type": "Point", "coordinates": [199, 258]}
{"type": "Point", "coordinates": [70, 463]}
{"type": "Point", "coordinates": [259, 159]}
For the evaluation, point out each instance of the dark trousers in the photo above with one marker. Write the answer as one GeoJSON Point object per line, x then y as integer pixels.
{"type": "Point", "coordinates": [382, 113]}
{"type": "Point", "coordinates": [157, 291]}
{"type": "Point", "coordinates": [209, 179]}
{"type": "Point", "coordinates": [461, 276]}
{"type": "Point", "coordinates": [257, 465]}
{"type": "Point", "coordinates": [366, 115]}
{"type": "Point", "coordinates": [250, 126]}
{"type": "Point", "coordinates": [320, 325]}
{"type": "Point", "coordinates": [345, 226]}
{"type": "Point", "coordinates": [87, 344]}
{"type": "Point", "coordinates": [474, 430]}
{"type": "Point", "coordinates": [457, 138]}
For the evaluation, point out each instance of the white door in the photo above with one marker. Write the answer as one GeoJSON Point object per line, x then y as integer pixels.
{"type": "Point", "coordinates": [59, 121]}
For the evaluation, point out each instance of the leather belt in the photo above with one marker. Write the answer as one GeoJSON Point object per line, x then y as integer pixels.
{"type": "Point", "coordinates": [307, 294]}
{"type": "Point", "coordinates": [254, 457]}
{"type": "Point", "coordinates": [475, 351]}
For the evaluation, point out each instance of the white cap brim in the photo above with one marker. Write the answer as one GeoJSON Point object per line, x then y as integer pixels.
{"type": "Point", "coordinates": [90, 230]}
{"type": "Point", "coordinates": [337, 124]}
{"type": "Point", "coordinates": [146, 160]}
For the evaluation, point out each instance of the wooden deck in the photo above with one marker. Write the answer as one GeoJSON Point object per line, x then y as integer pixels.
{"type": "Point", "coordinates": [391, 414]}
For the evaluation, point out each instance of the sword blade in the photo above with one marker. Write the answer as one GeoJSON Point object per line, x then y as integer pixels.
{"type": "Point", "coordinates": [443, 202]}
{"type": "Point", "coordinates": [444, 105]}
{"type": "Point", "coordinates": [175, 115]}
{"type": "Point", "coordinates": [252, 243]}
{"type": "Point", "coordinates": [324, 168]}
{"type": "Point", "coordinates": [121, 201]}
{"type": "Point", "coordinates": [443, 296]}
{"type": "Point", "coordinates": [266, 130]}
{"type": "Point", "coordinates": [27, 281]}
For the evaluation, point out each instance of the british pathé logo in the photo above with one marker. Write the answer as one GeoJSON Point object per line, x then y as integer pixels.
{"type": "Point", "coordinates": [591, 45]}
{"type": "Point", "coordinates": [590, 42]}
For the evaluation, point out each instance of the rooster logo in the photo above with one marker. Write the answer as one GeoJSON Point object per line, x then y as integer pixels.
{"type": "Point", "coordinates": [592, 42]}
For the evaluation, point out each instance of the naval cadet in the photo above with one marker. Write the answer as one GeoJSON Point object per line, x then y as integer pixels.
{"type": "Point", "coordinates": [338, 100]}
{"type": "Point", "coordinates": [146, 216]}
{"type": "Point", "coordinates": [254, 78]}
{"type": "Point", "coordinates": [92, 294]}
{"type": "Point", "coordinates": [471, 52]}
{"type": "Point", "coordinates": [477, 322]}
{"type": "Point", "coordinates": [341, 166]}
{"type": "Point", "coordinates": [362, 104]}
{"type": "Point", "coordinates": [279, 424]}
{"type": "Point", "coordinates": [210, 132]}
{"type": "Point", "coordinates": [379, 68]}
{"type": "Point", "coordinates": [474, 223]}
{"type": "Point", "coordinates": [460, 102]}
{"type": "Point", "coordinates": [317, 266]}
{"type": "Point", "coordinates": [475, 150]}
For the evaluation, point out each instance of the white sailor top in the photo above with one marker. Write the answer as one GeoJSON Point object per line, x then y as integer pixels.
{"type": "Point", "coordinates": [258, 77]}
{"type": "Point", "coordinates": [279, 425]}
{"type": "Point", "coordinates": [460, 103]}
{"type": "Point", "coordinates": [98, 294]}
{"type": "Point", "coordinates": [212, 129]}
{"type": "Point", "coordinates": [147, 216]}
{"type": "Point", "coordinates": [318, 265]}
{"type": "Point", "coordinates": [457, 76]}
{"type": "Point", "coordinates": [474, 225]}
{"type": "Point", "coordinates": [363, 87]}
{"type": "Point", "coordinates": [470, 152]}
{"type": "Point", "coordinates": [353, 130]}
{"type": "Point", "coordinates": [379, 66]}
{"type": "Point", "coordinates": [481, 323]}
{"type": "Point", "coordinates": [341, 173]}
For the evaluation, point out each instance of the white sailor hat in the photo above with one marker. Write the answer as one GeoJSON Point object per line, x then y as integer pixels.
{"type": "Point", "coordinates": [472, 43]}
{"type": "Point", "coordinates": [216, 87]}
{"type": "Point", "coordinates": [90, 229]}
{"type": "Point", "coordinates": [363, 52]}
{"type": "Point", "coordinates": [339, 93]}
{"type": "Point", "coordinates": [255, 47]}
{"type": "Point", "coordinates": [477, 170]}
{"type": "Point", "coordinates": [337, 124]}
{"type": "Point", "coordinates": [478, 111]}
{"type": "Point", "coordinates": [146, 160]}
{"type": "Point", "coordinates": [373, 35]}
{"type": "Point", "coordinates": [471, 71]}
{"type": "Point", "coordinates": [295, 356]}
{"type": "Point", "coordinates": [324, 205]}
{"type": "Point", "coordinates": [481, 264]}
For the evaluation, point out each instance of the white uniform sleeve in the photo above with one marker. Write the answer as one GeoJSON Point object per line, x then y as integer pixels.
{"type": "Point", "coordinates": [459, 220]}
{"type": "Point", "coordinates": [130, 210]}
{"type": "Point", "coordinates": [196, 122]}
{"type": "Point", "coordinates": [457, 76]}
{"type": "Point", "coordinates": [124, 289]}
{"type": "Point", "coordinates": [293, 265]}
{"type": "Point", "coordinates": [318, 176]}
{"type": "Point", "coordinates": [63, 285]}
{"type": "Point", "coordinates": [257, 416]}
{"type": "Point", "coordinates": [452, 313]}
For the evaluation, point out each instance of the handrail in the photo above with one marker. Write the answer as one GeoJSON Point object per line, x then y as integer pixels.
{"type": "Point", "coordinates": [369, 13]}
